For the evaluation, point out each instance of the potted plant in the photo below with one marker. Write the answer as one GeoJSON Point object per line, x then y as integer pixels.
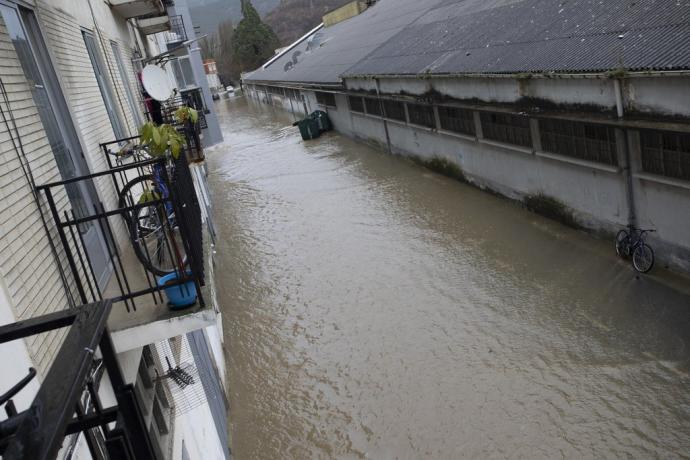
{"type": "Point", "coordinates": [189, 117]}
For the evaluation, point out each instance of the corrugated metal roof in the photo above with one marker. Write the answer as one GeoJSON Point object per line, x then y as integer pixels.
{"type": "Point", "coordinates": [332, 50]}
{"type": "Point", "coordinates": [535, 36]}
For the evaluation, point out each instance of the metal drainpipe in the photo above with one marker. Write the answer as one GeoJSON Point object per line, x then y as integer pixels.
{"type": "Point", "coordinates": [383, 114]}
{"type": "Point", "coordinates": [632, 217]}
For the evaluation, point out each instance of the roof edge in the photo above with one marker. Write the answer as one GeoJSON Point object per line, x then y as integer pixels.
{"type": "Point", "coordinates": [616, 73]}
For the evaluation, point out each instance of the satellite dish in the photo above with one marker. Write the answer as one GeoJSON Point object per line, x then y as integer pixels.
{"type": "Point", "coordinates": [156, 82]}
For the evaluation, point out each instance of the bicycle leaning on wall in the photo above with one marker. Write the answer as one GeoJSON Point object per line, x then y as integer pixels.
{"type": "Point", "coordinates": [631, 244]}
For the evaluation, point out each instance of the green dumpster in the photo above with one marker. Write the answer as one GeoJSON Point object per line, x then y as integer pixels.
{"type": "Point", "coordinates": [309, 128]}
{"type": "Point", "coordinates": [322, 119]}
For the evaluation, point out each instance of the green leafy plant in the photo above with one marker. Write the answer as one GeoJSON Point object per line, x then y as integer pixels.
{"type": "Point", "coordinates": [161, 139]}
{"type": "Point", "coordinates": [186, 113]}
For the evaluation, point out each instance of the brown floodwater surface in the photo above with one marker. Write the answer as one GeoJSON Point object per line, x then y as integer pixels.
{"type": "Point", "coordinates": [373, 309]}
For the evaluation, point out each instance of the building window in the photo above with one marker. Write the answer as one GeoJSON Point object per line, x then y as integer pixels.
{"type": "Point", "coordinates": [507, 128]}
{"type": "Point", "coordinates": [327, 99]}
{"type": "Point", "coordinates": [457, 120]}
{"type": "Point", "coordinates": [104, 85]}
{"type": "Point", "coordinates": [579, 140]}
{"type": "Point", "coordinates": [395, 110]}
{"type": "Point", "coordinates": [161, 423]}
{"type": "Point", "coordinates": [373, 106]}
{"type": "Point", "coordinates": [666, 153]}
{"type": "Point", "coordinates": [145, 375]}
{"type": "Point", "coordinates": [356, 104]}
{"type": "Point", "coordinates": [422, 115]}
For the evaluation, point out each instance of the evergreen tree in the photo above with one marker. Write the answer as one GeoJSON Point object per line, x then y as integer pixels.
{"type": "Point", "coordinates": [253, 42]}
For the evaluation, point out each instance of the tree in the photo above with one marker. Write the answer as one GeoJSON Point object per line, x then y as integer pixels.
{"type": "Point", "coordinates": [253, 42]}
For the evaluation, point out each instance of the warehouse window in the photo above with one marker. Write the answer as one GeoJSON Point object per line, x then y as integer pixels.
{"type": "Point", "coordinates": [356, 104]}
{"type": "Point", "coordinates": [457, 120]}
{"type": "Point", "coordinates": [327, 99]}
{"type": "Point", "coordinates": [373, 106]}
{"type": "Point", "coordinates": [666, 153]}
{"type": "Point", "coordinates": [503, 127]}
{"type": "Point", "coordinates": [422, 115]}
{"type": "Point", "coordinates": [579, 140]}
{"type": "Point", "coordinates": [395, 110]}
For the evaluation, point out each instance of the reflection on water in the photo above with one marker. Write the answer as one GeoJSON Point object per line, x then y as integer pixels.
{"type": "Point", "coordinates": [375, 310]}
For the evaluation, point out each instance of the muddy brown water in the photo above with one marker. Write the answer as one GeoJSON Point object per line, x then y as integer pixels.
{"type": "Point", "coordinates": [373, 309]}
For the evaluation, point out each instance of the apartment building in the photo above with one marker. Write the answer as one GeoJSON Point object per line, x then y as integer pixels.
{"type": "Point", "coordinates": [581, 106]}
{"type": "Point", "coordinates": [111, 371]}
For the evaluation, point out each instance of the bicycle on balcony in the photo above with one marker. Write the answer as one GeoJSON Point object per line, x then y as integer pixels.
{"type": "Point", "coordinates": [151, 222]}
{"type": "Point", "coordinates": [631, 244]}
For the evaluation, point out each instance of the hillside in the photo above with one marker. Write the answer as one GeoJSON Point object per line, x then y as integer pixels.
{"type": "Point", "coordinates": [207, 15]}
{"type": "Point", "coordinates": [293, 18]}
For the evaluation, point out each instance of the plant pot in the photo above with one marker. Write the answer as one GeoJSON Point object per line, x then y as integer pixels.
{"type": "Point", "coordinates": [179, 296]}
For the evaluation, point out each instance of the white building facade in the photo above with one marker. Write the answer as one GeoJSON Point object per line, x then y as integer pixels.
{"type": "Point", "coordinates": [69, 82]}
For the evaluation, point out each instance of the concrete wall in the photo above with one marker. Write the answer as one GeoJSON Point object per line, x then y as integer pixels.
{"type": "Point", "coordinates": [666, 96]}
{"type": "Point", "coordinates": [596, 194]}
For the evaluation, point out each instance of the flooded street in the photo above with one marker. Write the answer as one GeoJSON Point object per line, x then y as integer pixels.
{"type": "Point", "coordinates": [373, 309]}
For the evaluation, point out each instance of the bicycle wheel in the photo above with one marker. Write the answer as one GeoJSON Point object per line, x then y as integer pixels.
{"type": "Point", "coordinates": [156, 240]}
{"type": "Point", "coordinates": [132, 192]}
{"type": "Point", "coordinates": [643, 258]}
{"type": "Point", "coordinates": [623, 244]}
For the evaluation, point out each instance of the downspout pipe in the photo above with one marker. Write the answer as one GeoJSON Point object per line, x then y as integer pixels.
{"type": "Point", "coordinates": [383, 114]}
{"type": "Point", "coordinates": [629, 185]}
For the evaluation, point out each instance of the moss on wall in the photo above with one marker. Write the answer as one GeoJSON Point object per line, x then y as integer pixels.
{"type": "Point", "coordinates": [552, 208]}
{"type": "Point", "coordinates": [442, 166]}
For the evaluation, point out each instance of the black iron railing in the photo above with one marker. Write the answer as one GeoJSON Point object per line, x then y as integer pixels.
{"type": "Point", "coordinates": [191, 132]}
{"type": "Point", "coordinates": [151, 228]}
{"type": "Point", "coordinates": [60, 407]}
{"type": "Point", "coordinates": [177, 33]}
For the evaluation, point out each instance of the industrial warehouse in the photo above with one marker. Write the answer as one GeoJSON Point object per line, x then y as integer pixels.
{"type": "Point", "coordinates": [577, 109]}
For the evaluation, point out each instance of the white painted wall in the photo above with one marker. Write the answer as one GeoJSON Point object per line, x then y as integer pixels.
{"type": "Point", "coordinates": [596, 193]}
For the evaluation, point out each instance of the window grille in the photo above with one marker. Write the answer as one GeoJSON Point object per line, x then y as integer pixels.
{"type": "Point", "coordinates": [327, 99]}
{"type": "Point", "coordinates": [422, 115]}
{"type": "Point", "coordinates": [356, 104]}
{"type": "Point", "coordinates": [373, 106]}
{"type": "Point", "coordinates": [457, 120]}
{"type": "Point", "coordinates": [579, 140]}
{"type": "Point", "coordinates": [395, 110]}
{"type": "Point", "coordinates": [666, 153]}
{"type": "Point", "coordinates": [507, 128]}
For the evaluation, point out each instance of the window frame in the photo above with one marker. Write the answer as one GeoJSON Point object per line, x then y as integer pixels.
{"type": "Point", "coordinates": [493, 122]}
{"type": "Point", "coordinates": [665, 155]}
{"type": "Point", "coordinates": [428, 120]}
{"type": "Point", "coordinates": [579, 140]}
{"type": "Point", "coordinates": [457, 120]}
{"type": "Point", "coordinates": [329, 97]}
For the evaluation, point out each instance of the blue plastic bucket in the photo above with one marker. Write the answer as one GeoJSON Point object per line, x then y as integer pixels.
{"type": "Point", "coordinates": [179, 296]}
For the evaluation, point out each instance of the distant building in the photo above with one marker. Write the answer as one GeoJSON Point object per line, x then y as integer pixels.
{"type": "Point", "coordinates": [584, 103]}
{"type": "Point", "coordinates": [212, 76]}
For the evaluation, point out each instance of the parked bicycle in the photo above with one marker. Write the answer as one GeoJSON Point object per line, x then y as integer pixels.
{"type": "Point", "coordinates": [631, 244]}
{"type": "Point", "coordinates": [151, 223]}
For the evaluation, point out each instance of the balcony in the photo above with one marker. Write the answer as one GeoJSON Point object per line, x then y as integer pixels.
{"type": "Point", "coordinates": [129, 9]}
{"type": "Point", "coordinates": [153, 24]}
{"type": "Point", "coordinates": [68, 400]}
{"type": "Point", "coordinates": [177, 34]}
{"type": "Point", "coordinates": [153, 230]}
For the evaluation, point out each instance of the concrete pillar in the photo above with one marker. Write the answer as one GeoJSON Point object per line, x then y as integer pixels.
{"type": "Point", "coordinates": [536, 136]}
{"type": "Point", "coordinates": [478, 125]}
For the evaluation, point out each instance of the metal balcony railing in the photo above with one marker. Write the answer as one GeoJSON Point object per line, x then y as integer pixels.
{"type": "Point", "coordinates": [153, 228]}
{"type": "Point", "coordinates": [67, 402]}
{"type": "Point", "coordinates": [177, 33]}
